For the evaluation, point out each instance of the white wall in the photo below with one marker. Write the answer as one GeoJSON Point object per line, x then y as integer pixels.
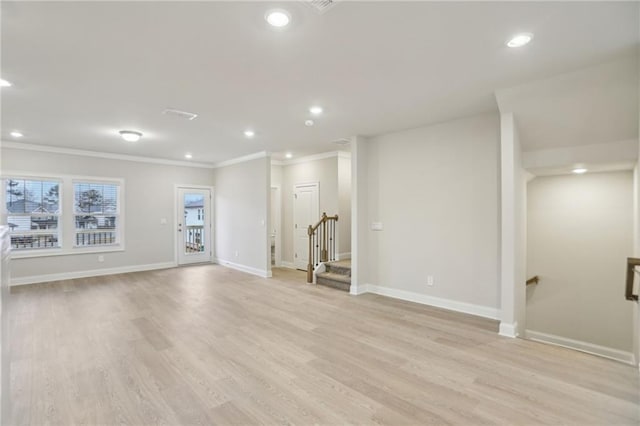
{"type": "Point", "coordinates": [324, 171]}
{"type": "Point", "coordinates": [242, 208]}
{"type": "Point", "coordinates": [435, 191]}
{"type": "Point", "coordinates": [580, 232]}
{"type": "Point", "coordinates": [149, 197]}
{"type": "Point", "coordinates": [344, 206]}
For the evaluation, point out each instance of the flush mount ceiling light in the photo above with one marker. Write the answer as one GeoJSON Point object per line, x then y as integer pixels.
{"type": "Point", "coordinates": [288, 155]}
{"type": "Point", "coordinates": [5, 83]}
{"type": "Point", "coordinates": [130, 135]}
{"type": "Point", "coordinates": [249, 133]}
{"type": "Point", "coordinates": [309, 123]}
{"type": "Point", "coordinates": [278, 18]}
{"type": "Point", "coordinates": [188, 156]}
{"type": "Point", "coordinates": [316, 110]}
{"type": "Point", "coordinates": [520, 40]}
{"type": "Point", "coordinates": [16, 134]}
{"type": "Point", "coordinates": [579, 170]}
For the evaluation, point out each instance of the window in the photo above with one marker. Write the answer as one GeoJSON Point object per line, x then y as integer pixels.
{"type": "Point", "coordinates": [33, 213]}
{"type": "Point", "coordinates": [96, 213]}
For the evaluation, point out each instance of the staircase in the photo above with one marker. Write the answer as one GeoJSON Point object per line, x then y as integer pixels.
{"type": "Point", "coordinates": [337, 275]}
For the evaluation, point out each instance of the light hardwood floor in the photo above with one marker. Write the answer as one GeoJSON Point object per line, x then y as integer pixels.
{"type": "Point", "coordinates": [209, 345]}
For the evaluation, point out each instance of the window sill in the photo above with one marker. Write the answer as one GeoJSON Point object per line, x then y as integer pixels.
{"type": "Point", "coordinates": [27, 254]}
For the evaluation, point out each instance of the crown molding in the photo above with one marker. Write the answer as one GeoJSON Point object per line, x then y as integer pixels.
{"type": "Point", "coordinates": [249, 157]}
{"type": "Point", "coordinates": [104, 155]}
{"type": "Point", "coordinates": [314, 157]}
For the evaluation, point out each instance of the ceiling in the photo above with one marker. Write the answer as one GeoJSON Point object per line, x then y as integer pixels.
{"type": "Point", "coordinates": [594, 105]}
{"type": "Point", "coordinates": [84, 70]}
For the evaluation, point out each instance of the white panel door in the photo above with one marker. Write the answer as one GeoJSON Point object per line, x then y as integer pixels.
{"type": "Point", "coordinates": [306, 211]}
{"type": "Point", "coordinates": [194, 225]}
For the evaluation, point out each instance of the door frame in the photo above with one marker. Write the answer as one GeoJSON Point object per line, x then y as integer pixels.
{"type": "Point", "coordinates": [176, 216]}
{"type": "Point", "coordinates": [293, 211]}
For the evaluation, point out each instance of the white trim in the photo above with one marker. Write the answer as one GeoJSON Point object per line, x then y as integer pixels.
{"type": "Point", "coordinates": [104, 155]}
{"type": "Point", "coordinates": [243, 268]}
{"type": "Point", "coordinates": [452, 305]}
{"type": "Point", "coordinates": [237, 160]}
{"type": "Point", "coordinates": [508, 329]}
{"type": "Point", "coordinates": [288, 265]}
{"type": "Point", "coordinates": [578, 345]}
{"type": "Point", "coordinates": [314, 157]}
{"type": "Point", "coordinates": [358, 290]}
{"type": "Point", "coordinates": [90, 273]}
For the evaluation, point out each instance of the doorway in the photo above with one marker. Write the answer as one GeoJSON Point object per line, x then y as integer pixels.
{"type": "Point", "coordinates": [274, 231]}
{"type": "Point", "coordinates": [194, 225]}
{"type": "Point", "coordinates": [306, 211]}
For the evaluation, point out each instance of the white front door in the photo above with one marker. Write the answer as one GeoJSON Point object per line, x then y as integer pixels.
{"type": "Point", "coordinates": [194, 225]}
{"type": "Point", "coordinates": [305, 212]}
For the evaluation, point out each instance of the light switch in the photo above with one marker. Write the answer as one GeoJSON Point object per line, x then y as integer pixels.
{"type": "Point", "coordinates": [163, 221]}
{"type": "Point", "coordinates": [376, 226]}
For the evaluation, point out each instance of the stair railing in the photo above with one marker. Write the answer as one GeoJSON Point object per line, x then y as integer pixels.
{"type": "Point", "coordinates": [322, 243]}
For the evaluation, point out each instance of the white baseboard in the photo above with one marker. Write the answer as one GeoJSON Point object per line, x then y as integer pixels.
{"type": "Point", "coordinates": [90, 273]}
{"type": "Point", "coordinates": [248, 269]}
{"type": "Point", "coordinates": [358, 290]}
{"type": "Point", "coordinates": [452, 305]}
{"type": "Point", "coordinates": [590, 348]}
{"type": "Point", "coordinates": [508, 329]}
{"type": "Point", "coordinates": [344, 256]}
{"type": "Point", "coordinates": [289, 265]}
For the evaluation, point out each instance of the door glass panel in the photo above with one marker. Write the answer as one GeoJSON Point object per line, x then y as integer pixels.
{"type": "Point", "coordinates": [194, 221]}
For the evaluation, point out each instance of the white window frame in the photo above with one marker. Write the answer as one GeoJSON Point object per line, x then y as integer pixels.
{"type": "Point", "coordinates": [66, 221]}
{"type": "Point", "coordinates": [118, 229]}
{"type": "Point", "coordinates": [60, 225]}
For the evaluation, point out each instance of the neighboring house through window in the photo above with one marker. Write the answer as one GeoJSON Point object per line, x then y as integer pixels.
{"type": "Point", "coordinates": [96, 210]}
{"type": "Point", "coordinates": [33, 213]}
{"type": "Point", "coordinates": [43, 221]}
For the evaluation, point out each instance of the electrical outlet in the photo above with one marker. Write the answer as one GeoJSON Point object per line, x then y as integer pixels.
{"type": "Point", "coordinates": [237, 254]}
{"type": "Point", "coordinates": [430, 280]}
{"type": "Point", "coordinates": [101, 258]}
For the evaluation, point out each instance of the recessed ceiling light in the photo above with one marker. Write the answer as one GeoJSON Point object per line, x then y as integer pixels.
{"type": "Point", "coordinates": [309, 123]}
{"type": "Point", "coordinates": [130, 135]}
{"type": "Point", "coordinates": [249, 133]}
{"type": "Point", "coordinates": [188, 156]}
{"type": "Point", "coordinates": [579, 170]}
{"type": "Point", "coordinates": [315, 110]}
{"type": "Point", "coordinates": [5, 83]}
{"type": "Point", "coordinates": [520, 40]}
{"type": "Point", "coordinates": [16, 134]}
{"type": "Point", "coordinates": [278, 18]}
{"type": "Point", "coordinates": [288, 155]}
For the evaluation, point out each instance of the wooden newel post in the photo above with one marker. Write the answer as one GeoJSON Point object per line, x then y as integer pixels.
{"type": "Point", "coordinates": [323, 251]}
{"type": "Point", "coordinates": [310, 257]}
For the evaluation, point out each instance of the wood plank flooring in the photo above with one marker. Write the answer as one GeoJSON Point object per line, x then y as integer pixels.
{"type": "Point", "coordinates": [209, 345]}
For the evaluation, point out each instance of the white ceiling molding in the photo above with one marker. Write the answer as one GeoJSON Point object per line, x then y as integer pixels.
{"type": "Point", "coordinates": [105, 155]}
{"type": "Point", "coordinates": [249, 157]}
{"type": "Point", "coordinates": [315, 157]}
{"type": "Point", "coordinates": [621, 155]}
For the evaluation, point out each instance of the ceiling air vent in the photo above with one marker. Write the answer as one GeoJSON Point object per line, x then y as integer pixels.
{"type": "Point", "coordinates": [343, 141]}
{"type": "Point", "coordinates": [320, 6]}
{"type": "Point", "coordinates": [180, 114]}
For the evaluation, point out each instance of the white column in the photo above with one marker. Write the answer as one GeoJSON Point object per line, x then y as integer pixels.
{"type": "Point", "coordinates": [513, 227]}
{"type": "Point", "coordinates": [359, 215]}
